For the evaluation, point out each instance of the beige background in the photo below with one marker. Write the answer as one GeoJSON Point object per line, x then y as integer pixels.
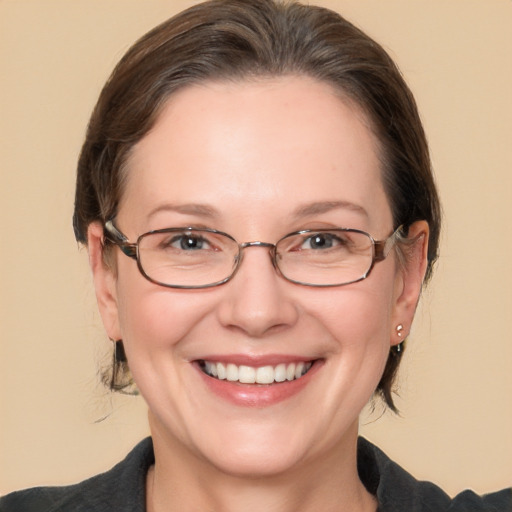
{"type": "Point", "coordinates": [456, 383]}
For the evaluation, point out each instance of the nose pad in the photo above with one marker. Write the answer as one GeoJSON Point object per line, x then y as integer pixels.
{"type": "Point", "coordinates": [257, 301]}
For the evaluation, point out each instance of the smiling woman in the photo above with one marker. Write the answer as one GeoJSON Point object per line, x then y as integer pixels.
{"type": "Point", "coordinates": [257, 323]}
{"type": "Point", "coordinates": [256, 198]}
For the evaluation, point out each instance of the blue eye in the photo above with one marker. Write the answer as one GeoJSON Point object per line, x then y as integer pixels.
{"type": "Point", "coordinates": [321, 241]}
{"type": "Point", "coordinates": [187, 242]}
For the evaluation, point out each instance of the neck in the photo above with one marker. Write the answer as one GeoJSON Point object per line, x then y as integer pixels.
{"type": "Point", "coordinates": [180, 481]}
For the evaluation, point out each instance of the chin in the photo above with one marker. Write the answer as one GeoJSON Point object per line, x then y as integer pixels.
{"type": "Point", "coordinates": [260, 450]}
{"type": "Point", "coordinates": [257, 461]}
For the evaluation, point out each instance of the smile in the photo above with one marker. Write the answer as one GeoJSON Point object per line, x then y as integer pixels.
{"type": "Point", "coordinates": [255, 375]}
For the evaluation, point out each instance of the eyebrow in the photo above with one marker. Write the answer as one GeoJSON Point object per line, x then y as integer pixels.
{"type": "Point", "coordinates": [320, 207]}
{"type": "Point", "coordinates": [201, 210]}
{"type": "Point", "coordinates": [306, 210]}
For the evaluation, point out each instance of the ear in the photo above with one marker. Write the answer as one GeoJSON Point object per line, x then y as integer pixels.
{"type": "Point", "coordinates": [410, 281]}
{"type": "Point", "coordinates": [104, 281]}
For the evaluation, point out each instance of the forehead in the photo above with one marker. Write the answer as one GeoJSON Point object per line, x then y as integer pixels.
{"type": "Point", "coordinates": [246, 147]}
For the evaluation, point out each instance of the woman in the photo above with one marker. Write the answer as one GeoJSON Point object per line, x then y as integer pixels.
{"type": "Point", "coordinates": [256, 197]}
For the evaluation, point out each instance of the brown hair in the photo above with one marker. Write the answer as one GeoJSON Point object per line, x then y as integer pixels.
{"type": "Point", "coordinates": [241, 39]}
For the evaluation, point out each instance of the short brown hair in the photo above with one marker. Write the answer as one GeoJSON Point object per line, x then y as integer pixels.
{"type": "Point", "coordinates": [240, 39]}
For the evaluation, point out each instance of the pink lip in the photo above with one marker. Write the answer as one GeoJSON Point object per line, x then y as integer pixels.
{"type": "Point", "coordinates": [257, 395]}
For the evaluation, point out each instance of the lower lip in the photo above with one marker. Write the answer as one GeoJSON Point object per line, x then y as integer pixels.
{"type": "Point", "coordinates": [258, 395]}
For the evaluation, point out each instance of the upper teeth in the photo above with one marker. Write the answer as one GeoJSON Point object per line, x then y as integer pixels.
{"type": "Point", "coordinates": [256, 375]}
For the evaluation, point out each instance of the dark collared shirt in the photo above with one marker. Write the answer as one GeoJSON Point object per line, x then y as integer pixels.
{"type": "Point", "coordinates": [123, 489]}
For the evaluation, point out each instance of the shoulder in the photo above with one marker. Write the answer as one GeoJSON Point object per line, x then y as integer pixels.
{"type": "Point", "coordinates": [397, 490]}
{"type": "Point", "coordinates": [494, 502]}
{"type": "Point", "coordinates": [121, 488]}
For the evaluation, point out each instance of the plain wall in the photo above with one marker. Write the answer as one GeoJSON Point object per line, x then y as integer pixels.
{"type": "Point", "coordinates": [456, 381]}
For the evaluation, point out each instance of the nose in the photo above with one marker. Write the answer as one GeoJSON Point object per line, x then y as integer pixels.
{"type": "Point", "coordinates": [257, 300]}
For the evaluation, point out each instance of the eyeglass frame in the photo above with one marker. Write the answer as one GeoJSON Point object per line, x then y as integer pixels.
{"type": "Point", "coordinates": [380, 250]}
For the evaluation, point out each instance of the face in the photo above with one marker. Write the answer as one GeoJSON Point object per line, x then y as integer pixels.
{"type": "Point", "coordinates": [256, 160]}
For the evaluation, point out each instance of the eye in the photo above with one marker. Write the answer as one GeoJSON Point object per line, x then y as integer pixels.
{"type": "Point", "coordinates": [320, 241]}
{"type": "Point", "coordinates": [188, 242]}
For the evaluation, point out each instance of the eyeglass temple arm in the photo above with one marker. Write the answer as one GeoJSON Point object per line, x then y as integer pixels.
{"type": "Point", "coordinates": [115, 236]}
{"type": "Point", "coordinates": [382, 247]}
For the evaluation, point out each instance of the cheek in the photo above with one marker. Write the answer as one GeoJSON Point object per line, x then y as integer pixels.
{"type": "Point", "coordinates": [358, 316]}
{"type": "Point", "coordinates": [156, 326]}
{"type": "Point", "coordinates": [359, 326]}
{"type": "Point", "coordinates": [153, 317]}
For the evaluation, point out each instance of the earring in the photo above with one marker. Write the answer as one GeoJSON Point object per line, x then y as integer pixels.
{"type": "Point", "coordinates": [399, 328]}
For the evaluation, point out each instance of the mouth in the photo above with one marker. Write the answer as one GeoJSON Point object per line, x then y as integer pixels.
{"type": "Point", "coordinates": [283, 372]}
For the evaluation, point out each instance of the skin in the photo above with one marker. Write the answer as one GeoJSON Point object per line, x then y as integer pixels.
{"type": "Point", "coordinates": [255, 153]}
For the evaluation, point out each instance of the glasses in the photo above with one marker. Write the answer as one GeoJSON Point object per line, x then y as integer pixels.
{"type": "Point", "coordinates": [201, 258]}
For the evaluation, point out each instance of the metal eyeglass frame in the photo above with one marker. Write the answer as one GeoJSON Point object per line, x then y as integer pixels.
{"type": "Point", "coordinates": [381, 249]}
